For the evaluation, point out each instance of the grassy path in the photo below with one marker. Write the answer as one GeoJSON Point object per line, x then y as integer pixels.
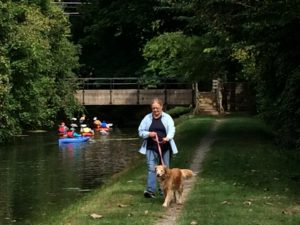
{"type": "Point", "coordinates": [246, 179]}
{"type": "Point", "coordinates": [173, 212]}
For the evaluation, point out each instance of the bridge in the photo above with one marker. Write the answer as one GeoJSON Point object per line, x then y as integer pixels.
{"type": "Point", "coordinates": [132, 91]}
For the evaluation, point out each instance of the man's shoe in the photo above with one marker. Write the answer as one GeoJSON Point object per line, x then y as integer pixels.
{"type": "Point", "coordinates": [149, 194]}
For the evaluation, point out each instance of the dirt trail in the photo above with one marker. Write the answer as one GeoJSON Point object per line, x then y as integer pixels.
{"type": "Point", "coordinates": [173, 212]}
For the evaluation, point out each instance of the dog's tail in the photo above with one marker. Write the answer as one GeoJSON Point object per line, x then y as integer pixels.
{"type": "Point", "coordinates": [186, 173]}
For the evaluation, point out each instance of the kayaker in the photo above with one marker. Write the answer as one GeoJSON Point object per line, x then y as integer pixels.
{"type": "Point", "coordinates": [72, 133]}
{"type": "Point", "coordinates": [62, 129]}
{"type": "Point", "coordinates": [82, 119]}
{"type": "Point", "coordinates": [86, 130]}
{"type": "Point", "coordinates": [104, 124]}
{"type": "Point", "coordinates": [97, 123]}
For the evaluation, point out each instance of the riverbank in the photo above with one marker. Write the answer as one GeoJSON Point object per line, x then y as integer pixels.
{"type": "Point", "coordinates": [245, 177]}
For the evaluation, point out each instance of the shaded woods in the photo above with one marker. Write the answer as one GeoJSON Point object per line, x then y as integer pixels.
{"type": "Point", "coordinates": [244, 41]}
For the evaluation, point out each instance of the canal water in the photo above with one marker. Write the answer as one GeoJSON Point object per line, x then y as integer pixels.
{"type": "Point", "coordinates": [39, 177]}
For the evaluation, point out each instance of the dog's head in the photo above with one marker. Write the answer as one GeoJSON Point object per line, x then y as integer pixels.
{"type": "Point", "coordinates": [160, 170]}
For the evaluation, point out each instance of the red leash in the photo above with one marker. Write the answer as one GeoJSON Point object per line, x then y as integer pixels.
{"type": "Point", "coordinates": [159, 150]}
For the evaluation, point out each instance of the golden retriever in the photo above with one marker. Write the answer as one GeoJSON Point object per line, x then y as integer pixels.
{"type": "Point", "coordinates": [171, 182]}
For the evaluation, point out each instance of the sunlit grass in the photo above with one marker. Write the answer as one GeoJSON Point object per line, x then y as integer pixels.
{"type": "Point", "coordinates": [246, 179]}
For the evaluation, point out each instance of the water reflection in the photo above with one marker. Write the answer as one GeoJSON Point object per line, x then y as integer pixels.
{"type": "Point", "coordinates": [38, 176]}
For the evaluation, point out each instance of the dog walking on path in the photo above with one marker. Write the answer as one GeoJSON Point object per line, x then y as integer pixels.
{"type": "Point", "coordinates": [172, 182]}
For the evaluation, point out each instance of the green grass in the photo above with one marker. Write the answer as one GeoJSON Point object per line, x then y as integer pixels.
{"type": "Point", "coordinates": [121, 200]}
{"type": "Point", "coordinates": [246, 179]}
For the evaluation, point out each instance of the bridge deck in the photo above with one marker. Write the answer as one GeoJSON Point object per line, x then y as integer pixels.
{"type": "Point", "coordinates": [134, 96]}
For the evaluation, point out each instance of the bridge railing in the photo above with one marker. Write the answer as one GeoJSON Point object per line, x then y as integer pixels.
{"type": "Point", "coordinates": [130, 83]}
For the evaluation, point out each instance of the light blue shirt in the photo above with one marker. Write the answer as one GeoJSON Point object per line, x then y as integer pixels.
{"type": "Point", "coordinates": [168, 123]}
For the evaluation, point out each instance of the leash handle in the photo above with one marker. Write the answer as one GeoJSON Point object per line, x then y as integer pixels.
{"type": "Point", "coordinates": [159, 150]}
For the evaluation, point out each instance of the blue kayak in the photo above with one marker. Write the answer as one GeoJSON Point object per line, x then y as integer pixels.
{"type": "Point", "coordinates": [73, 140]}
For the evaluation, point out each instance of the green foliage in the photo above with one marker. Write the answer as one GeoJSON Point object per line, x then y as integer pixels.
{"type": "Point", "coordinates": [166, 54]}
{"type": "Point", "coordinates": [162, 54]}
{"type": "Point", "coordinates": [111, 34]}
{"type": "Point", "coordinates": [7, 104]}
{"type": "Point", "coordinates": [246, 56]}
{"type": "Point", "coordinates": [36, 59]}
{"type": "Point", "coordinates": [284, 112]}
{"type": "Point", "coordinates": [178, 111]}
{"type": "Point", "coordinates": [259, 43]}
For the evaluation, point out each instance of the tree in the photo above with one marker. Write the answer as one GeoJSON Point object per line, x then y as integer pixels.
{"type": "Point", "coordinates": [112, 34]}
{"type": "Point", "coordinates": [37, 59]}
{"type": "Point", "coordinates": [176, 55]}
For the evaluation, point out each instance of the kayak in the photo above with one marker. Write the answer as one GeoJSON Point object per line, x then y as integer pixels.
{"type": "Point", "coordinates": [109, 125]}
{"type": "Point", "coordinates": [104, 129]}
{"type": "Point", "coordinates": [73, 140]}
{"type": "Point", "coordinates": [87, 134]}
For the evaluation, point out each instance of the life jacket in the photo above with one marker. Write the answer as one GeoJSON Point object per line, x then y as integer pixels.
{"type": "Point", "coordinates": [70, 133]}
{"type": "Point", "coordinates": [86, 130]}
{"type": "Point", "coordinates": [61, 129]}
